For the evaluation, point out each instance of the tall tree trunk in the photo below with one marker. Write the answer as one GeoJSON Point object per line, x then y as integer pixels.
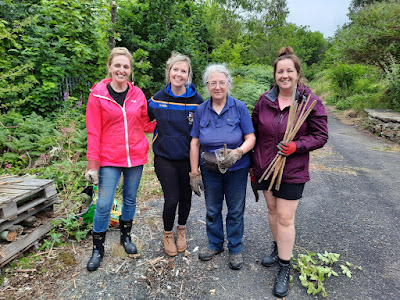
{"type": "Point", "coordinates": [111, 40]}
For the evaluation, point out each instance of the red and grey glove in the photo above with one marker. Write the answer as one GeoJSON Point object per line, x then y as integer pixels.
{"type": "Point", "coordinates": [254, 186]}
{"type": "Point", "coordinates": [286, 149]}
{"type": "Point", "coordinates": [92, 172]}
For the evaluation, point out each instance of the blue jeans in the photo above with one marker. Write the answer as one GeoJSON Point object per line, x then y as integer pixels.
{"type": "Point", "coordinates": [108, 182]}
{"type": "Point", "coordinates": [231, 185]}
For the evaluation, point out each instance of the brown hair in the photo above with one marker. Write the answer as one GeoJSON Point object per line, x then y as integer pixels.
{"type": "Point", "coordinates": [175, 57]}
{"type": "Point", "coordinates": [288, 53]}
{"type": "Point", "coordinates": [119, 51]}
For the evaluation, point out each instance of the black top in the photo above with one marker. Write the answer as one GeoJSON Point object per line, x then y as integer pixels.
{"type": "Point", "coordinates": [119, 97]}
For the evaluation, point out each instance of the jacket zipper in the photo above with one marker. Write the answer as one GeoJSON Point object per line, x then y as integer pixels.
{"type": "Point", "coordinates": [126, 137]}
{"type": "Point", "coordinates": [125, 126]}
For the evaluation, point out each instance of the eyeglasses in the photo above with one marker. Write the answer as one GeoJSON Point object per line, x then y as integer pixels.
{"type": "Point", "coordinates": [213, 84]}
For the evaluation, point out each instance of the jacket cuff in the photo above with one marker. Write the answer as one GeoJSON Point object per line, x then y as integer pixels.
{"type": "Point", "coordinates": [93, 164]}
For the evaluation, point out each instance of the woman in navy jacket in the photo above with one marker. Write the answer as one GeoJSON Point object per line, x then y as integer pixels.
{"type": "Point", "coordinates": [173, 107]}
{"type": "Point", "coordinates": [270, 118]}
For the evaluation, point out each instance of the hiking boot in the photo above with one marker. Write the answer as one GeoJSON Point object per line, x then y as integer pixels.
{"type": "Point", "coordinates": [235, 261]}
{"type": "Point", "coordinates": [281, 287]}
{"type": "Point", "coordinates": [169, 243]}
{"type": "Point", "coordinates": [271, 259]}
{"type": "Point", "coordinates": [97, 252]}
{"type": "Point", "coordinates": [207, 254]}
{"type": "Point", "coordinates": [125, 239]}
{"type": "Point", "coordinates": [181, 238]}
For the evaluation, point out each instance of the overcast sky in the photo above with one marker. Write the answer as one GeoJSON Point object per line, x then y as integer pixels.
{"type": "Point", "coordinates": [320, 15]}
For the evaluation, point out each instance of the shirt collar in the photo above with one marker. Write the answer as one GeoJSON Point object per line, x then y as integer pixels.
{"type": "Point", "coordinates": [229, 103]}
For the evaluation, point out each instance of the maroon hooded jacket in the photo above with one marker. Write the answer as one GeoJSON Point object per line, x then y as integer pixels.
{"type": "Point", "coordinates": [270, 126]}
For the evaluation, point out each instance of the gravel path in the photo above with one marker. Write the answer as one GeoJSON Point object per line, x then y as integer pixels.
{"type": "Point", "coordinates": [351, 206]}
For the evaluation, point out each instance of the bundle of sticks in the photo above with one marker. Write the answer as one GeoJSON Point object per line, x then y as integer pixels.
{"type": "Point", "coordinates": [298, 113]}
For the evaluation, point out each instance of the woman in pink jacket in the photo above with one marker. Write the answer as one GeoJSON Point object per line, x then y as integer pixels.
{"type": "Point", "coordinates": [116, 121]}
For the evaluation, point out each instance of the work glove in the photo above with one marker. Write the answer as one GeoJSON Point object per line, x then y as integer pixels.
{"type": "Point", "coordinates": [92, 172]}
{"type": "Point", "coordinates": [92, 176]}
{"type": "Point", "coordinates": [254, 186]}
{"type": "Point", "coordinates": [286, 149]}
{"type": "Point", "coordinates": [196, 183]}
{"type": "Point", "coordinates": [231, 157]}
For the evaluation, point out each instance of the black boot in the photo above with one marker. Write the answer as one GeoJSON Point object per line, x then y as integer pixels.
{"type": "Point", "coordinates": [125, 227]}
{"type": "Point", "coordinates": [98, 251]}
{"type": "Point", "coordinates": [271, 259]}
{"type": "Point", "coordinates": [281, 287]}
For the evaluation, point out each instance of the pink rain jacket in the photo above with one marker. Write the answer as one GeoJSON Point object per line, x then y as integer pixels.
{"type": "Point", "coordinates": [116, 135]}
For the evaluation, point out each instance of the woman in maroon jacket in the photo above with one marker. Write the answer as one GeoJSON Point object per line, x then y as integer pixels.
{"type": "Point", "coordinates": [270, 118]}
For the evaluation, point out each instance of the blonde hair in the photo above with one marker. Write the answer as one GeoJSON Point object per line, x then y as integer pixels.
{"type": "Point", "coordinates": [118, 51]}
{"type": "Point", "coordinates": [175, 57]}
{"type": "Point", "coordinates": [287, 52]}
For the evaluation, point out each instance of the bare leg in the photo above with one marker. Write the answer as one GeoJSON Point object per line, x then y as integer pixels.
{"type": "Point", "coordinates": [272, 213]}
{"type": "Point", "coordinates": [285, 230]}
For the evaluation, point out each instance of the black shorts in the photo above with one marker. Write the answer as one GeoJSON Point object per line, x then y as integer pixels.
{"type": "Point", "coordinates": [287, 191]}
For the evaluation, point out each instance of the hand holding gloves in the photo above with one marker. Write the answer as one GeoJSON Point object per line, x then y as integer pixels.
{"type": "Point", "coordinates": [196, 182]}
{"type": "Point", "coordinates": [286, 149]}
{"type": "Point", "coordinates": [92, 172]}
{"type": "Point", "coordinates": [231, 157]}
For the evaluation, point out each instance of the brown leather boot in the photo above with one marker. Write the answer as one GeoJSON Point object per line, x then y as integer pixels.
{"type": "Point", "coordinates": [181, 238]}
{"type": "Point", "coordinates": [169, 243]}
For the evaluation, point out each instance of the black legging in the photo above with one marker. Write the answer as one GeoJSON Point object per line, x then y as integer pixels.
{"type": "Point", "coordinates": [174, 178]}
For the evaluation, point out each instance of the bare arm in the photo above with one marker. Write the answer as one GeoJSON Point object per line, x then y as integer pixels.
{"type": "Point", "coordinates": [249, 142]}
{"type": "Point", "coordinates": [194, 155]}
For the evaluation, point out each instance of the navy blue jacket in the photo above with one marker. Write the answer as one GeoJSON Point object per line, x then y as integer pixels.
{"type": "Point", "coordinates": [174, 116]}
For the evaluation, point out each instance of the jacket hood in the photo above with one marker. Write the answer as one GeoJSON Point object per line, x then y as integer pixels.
{"type": "Point", "coordinates": [101, 85]}
{"type": "Point", "coordinates": [302, 92]}
{"type": "Point", "coordinates": [100, 88]}
{"type": "Point", "coordinates": [190, 91]}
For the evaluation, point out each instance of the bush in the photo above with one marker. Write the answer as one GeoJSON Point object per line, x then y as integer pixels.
{"type": "Point", "coordinates": [33, 141]}
{"type": "Point", "coordinates": [393, 80]}
{"type": "Point", "coordinates": [344, 76]}
{"type": "Point", "coordinates": [250, 82]}
{"type": "Point", "coordinates": [332, 100]}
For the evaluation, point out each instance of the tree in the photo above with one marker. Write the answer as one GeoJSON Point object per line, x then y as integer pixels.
{"type": "Point", "coordinates": [357, 5]}
{"type": "Point", "coordinates": [60, 39]}
{"type": "Point", "coordinates": [152, 29]}
{"type": "Point", "coordinates": [372, 37]}
{"type": "Point", "coordinates": [266, 32]}
{"type": "Point", "coordinates": [15, 75]}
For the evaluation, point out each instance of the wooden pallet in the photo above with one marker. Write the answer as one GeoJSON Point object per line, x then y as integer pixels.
{"type": "Point", "coordinates": [21, 198]}
{"type": "Point", "coordinates": [18, 195]}
{"type": "Point", "coordinates": [13, 250]}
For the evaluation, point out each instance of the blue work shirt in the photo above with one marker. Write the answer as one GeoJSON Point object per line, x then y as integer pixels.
{"type": "Point", "coordinates": [229, 127]}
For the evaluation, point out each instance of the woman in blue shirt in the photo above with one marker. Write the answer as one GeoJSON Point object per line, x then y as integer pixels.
{"type": "Point", "coordinates": [222, 120]}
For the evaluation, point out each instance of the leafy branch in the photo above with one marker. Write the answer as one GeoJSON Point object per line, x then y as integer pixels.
{"type": "Point", "coordinates": [315, 268]}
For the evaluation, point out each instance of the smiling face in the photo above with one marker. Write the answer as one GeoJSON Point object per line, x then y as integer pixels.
{"type": "Point", "coordinates": [286, 75]}
{"type": "Point", "coordinates": [218, 86]}
{"type": "Point", "coordinates": [120, 68]}
{"type": "Point", "coordinates": [179, 74]}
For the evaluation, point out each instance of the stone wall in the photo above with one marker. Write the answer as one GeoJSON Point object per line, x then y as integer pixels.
{"type": "Point", "coordinates": [386, 123]}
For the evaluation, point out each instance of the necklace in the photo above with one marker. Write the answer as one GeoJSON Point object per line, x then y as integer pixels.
{"type": "Point", "coordinates": [284, 98]}
{"type": "Point", "coordinates": [284, 102]}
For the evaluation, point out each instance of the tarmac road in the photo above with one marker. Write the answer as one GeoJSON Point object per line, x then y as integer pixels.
{"type": "Point", "coordinates": [351, 206]}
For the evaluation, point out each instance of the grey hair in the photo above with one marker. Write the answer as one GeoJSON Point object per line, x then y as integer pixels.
{"type": "Point", "coordinates": [175, 57]}
{"type": "Point", "coordinates": [219, 68]}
